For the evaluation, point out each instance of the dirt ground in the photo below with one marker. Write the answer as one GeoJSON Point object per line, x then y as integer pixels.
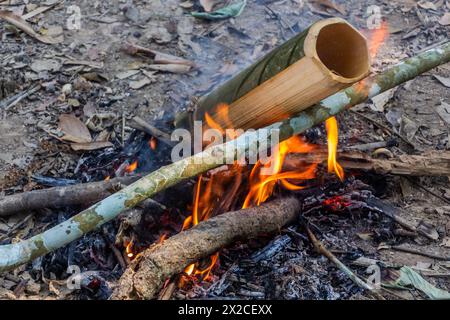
{"type": "Point", "coordinates": [87, 74]}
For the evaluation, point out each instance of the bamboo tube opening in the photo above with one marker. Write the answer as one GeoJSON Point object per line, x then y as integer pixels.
{"type": "Point", "coordinates": [339, 48]}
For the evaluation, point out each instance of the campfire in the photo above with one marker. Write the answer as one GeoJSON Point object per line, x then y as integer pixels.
{"type": "Point", "coordinates": [256, 178]}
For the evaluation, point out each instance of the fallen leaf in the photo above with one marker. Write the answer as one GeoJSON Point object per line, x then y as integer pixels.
{"type": "Point", "coordinates": [330, 4]}
{"type": "Point", "coordinates": [90, 146]}
{"type": "Point", "coordinates": [207, 5]}
{"type": "Point", "coordinates": [444, 81]}
{"type": "Point", "coordinates": [45, 65]}
{"type": "Point", "coordinates": [444, 111]}
{"type": "Point", "coordinates": [233, 10]}
{"type": "Point", "coordinates": [74, 130]}
{"type": "Point", "coordinates": [379, 101]}
{"type": "Point", "coordinates": [427, 5]}
{"type": "Point", "coordinates": [94, 65]}
{"type": "Point", "coordinates": [21, 24]}
{"type": "Point", "coordinates": [174, 68]}
{"type": "Point", "coordinates": [126, 74]}
{"type": "Point", "coordinates": [138, 84]}
{"type": "Point", "coordinates": [445, 19]}
{"type": "Point", "coordinates": [408, 277]}
{"type": "Point", "coordinates": [445, 242]}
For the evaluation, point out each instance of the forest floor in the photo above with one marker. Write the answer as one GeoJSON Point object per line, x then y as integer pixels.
{"type": "Point", "coordinates": [88, 75]}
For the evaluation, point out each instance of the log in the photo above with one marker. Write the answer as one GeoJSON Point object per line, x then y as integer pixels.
{"type": "Point", "coordinates": [146, 275]}
{"type": "Point", "coordinates": [57, 197]}
{"type": "Point", "coordinates": [22, 252]}
{"type": "Point", "coordinates": [327, 57]}
{"type": "Point", "coordinates": [430, 163]}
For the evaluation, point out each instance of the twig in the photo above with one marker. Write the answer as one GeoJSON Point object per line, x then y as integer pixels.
{"type": "Point", "coordinates": [382, 126]}
{"type": "Point", "coordinates": [320, 248]}
{"type": "Point", "coordinates": [418, 252]}
{"type": "Point", "coordinates": [428, 190]}
{"type": "Point", "coordinates": [141, 125]}
{"type": "Point", "coordinates": [8, 103]}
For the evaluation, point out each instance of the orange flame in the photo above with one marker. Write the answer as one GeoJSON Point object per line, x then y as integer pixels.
{"type": "Point", "coordinates": [262, 185]}
{"type": "Point", "coordinates": [333, 137]}
{"type": "Point", "coordinates": [152, 143]}
{"type": "Point", "coordinates": [129, 250]}
{"type": "Point", "coordinates": [377, 38]}
{"type": "Point", "coordinates": [263, 179]}
{"type": "Point", "coordinates": [132, 167]}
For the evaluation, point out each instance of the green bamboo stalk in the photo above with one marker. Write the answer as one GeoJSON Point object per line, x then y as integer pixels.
{"type": "Point", "coordinates": [13, 255]}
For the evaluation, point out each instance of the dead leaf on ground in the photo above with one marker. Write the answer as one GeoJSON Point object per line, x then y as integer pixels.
{"type": "Point", "coordinates": [208, 4]}
{"type": "Point", "coordinates": [379, 101]}
{"type": "Point", "coordinates": [444, 111]}
{"type": "Point", "coordinates": [74, 130]}
{"type": "Point", "coordinates": [45, 65]}
{"type": "Point", "coordinates": [174, 68]}
{"type": "Point", "coordinates": [427, 5]}
{"type": "Point", "coordinates": [21, 24]}
{"type": "Point", "coordinates": [331, 5]}
{"type": "Point", "coordinates": [90, 146]}
{"type": "Point", "coordinates": [445, 20]}
{"type": "Point", "coordinates": [138, 84]}
{"type": "Point", "coordinates": [444, 81]}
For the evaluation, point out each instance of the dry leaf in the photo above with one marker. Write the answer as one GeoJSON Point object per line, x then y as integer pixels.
{"type": "Point", "coordinates": [330, 4]}
{"type": "Point", "coordinates": [444, 111]}
{"type": "Point", "coordinates": [208, 4]}
{"type": "Point", "coordinates": [138, 84]}
{"type": "Point", "coordinates": [90, 146]}
{"type": "Point", "coordinates": [427, 5]}
{"type": "Point", "coordinates": [174, 68]}
{"type": "Point", "coordinates": [21, 24]}
{"type": "Point", "coordinates": [74, 130]}
{"type": "Point", "coordinates": [445, 20]}
{"type": "Point", "coordinates": [444, 81]}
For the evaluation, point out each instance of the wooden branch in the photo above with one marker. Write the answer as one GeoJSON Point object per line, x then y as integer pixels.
{"type": "Point", "coordinates": [321, 249]}
{"type": "Point", "coordinates": [328, 56]}
{"type": "Point", "coordinates": [57, 197]}
{"type": "Point", "coordinates": [147, 273]}
{"type": "Point", "coordinates": [430, 163]}
{"type": "Point", "coordinates": [141, 125]}
{"type": "Point", "coordinates": [13, 255]}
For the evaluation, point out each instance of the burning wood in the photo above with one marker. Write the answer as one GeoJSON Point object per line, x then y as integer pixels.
{"type": "Point", "coordinates": [91, 218]}
{"type": "Point", "coordinates": [328, 56]}
{"type": "Point", "coordinates": [147, 273]}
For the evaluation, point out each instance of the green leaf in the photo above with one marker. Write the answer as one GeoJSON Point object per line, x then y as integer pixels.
{"type": "Point", "coordinates": [233, 10]}
{"type": "Point", "coordinates": [408, 277]}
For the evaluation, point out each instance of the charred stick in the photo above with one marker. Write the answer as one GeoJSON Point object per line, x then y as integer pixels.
{"type": "Point", "coordinates": [19, 253]}
{"type": "Point", "coordinates": [320, 248]}
{"type": "Point", "coordinates": [418, 252]}
{"type": "Point", "coordinates": [147, 273]}
{"type": "Point", "coordinates": [57, 197]}
{"type": "Point", "coordinates": [141, 125]}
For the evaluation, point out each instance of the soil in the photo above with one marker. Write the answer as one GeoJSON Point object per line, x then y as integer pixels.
{"type": "Point", "coordinates": [31, 144]}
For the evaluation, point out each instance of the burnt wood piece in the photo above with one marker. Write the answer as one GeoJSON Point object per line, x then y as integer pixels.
{"type": "Point", "coordinates": [57, 197]}
{"type": "Point", "coordinates": [146, 275]}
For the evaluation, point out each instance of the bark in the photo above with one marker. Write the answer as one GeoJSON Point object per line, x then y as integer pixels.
{"type": "Point", "coordinates": [430, 163]}
{"type": "Point", "coordinates": [22, 252]}
{"type": "Point", "coordinates": [147, 273]}
{"type": "Point", "coordinates": [57, 197]}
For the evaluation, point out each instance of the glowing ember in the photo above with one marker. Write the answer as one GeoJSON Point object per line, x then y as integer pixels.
{"type": "Point", "coordinates": [132, 167]}
{"type": "Point", "coordinates": [152, 143]}
{"type": "Point", "coordinates": [333, 137]}
{"type": "Point", "coordinates": [336, 203]}
{"type": "Point", "coordinates": [129, 250]}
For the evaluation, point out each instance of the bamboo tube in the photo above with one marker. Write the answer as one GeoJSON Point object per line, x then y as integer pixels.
{"type": "Point", "coordinates": [327, 57]}
{"type": "Point", "coordinates": [13, 255]}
